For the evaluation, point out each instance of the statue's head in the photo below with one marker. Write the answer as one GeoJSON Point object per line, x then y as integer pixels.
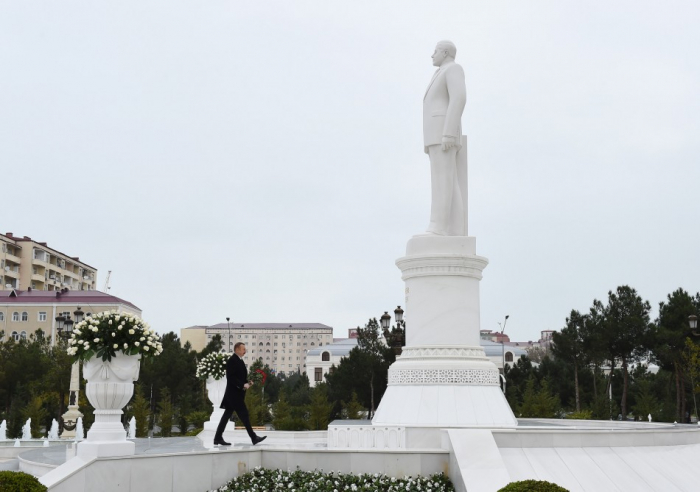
{"type": "Point", "coordinates": [444, 50]}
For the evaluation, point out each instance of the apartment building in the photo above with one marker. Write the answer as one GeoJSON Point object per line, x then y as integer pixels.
{"type": "Point", "coordinates": [282, 346]}
{"type": "Point", "coordinates": [25, 263]}
{"type": "Point", "coordinates": [24, 312]}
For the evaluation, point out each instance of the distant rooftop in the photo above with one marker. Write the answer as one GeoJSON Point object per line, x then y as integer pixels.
{"type": "Point", "coordinates": [85, 297]}
{"type": "Point", "coordinates": [341, 347]}
{"type": "Point", "coordinates": [273, 326]}
{"type": "Point", "coordinates": [12, 237]}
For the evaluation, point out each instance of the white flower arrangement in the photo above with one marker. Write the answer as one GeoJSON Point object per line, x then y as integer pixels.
{"type": "Point", "coordinates": [261, 479]}
{"type": "Point", "coordinates": [96, 336]}
{"type": "Point", "coordinates": [213, 365]}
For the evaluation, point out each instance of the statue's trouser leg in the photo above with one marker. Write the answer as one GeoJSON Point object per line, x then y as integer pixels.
{"type": "Point", "coordinates": [443, 170]}
{"type": "Point", "coordinates": [458, 210]}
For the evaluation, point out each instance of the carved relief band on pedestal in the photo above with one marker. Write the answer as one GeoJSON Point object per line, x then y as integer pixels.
{"type": "Point", "coordinates": [424, 352]}
{"type": "Point", "coordinates": [444, 376]}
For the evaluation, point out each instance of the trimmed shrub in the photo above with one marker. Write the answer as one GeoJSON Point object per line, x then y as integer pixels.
{"type": "Point", "coordinates": [12, 481]}
{"type": "Point", "coordinates": [532, 486]}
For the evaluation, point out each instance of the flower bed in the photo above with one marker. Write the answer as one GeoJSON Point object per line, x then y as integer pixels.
{"type": "Point", "coordinates": [105, 334]}
{"type": "Point", "coordinates": [213, 366]}
{"type": "Point", "coordinates": [263, 480]}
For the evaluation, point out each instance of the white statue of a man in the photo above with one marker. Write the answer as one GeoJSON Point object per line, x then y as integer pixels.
{"type": "Point", "coordinates": [443, 105]}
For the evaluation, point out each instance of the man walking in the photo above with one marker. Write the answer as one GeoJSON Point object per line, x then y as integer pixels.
{"type": "Point", "coordinates": [234, 399]}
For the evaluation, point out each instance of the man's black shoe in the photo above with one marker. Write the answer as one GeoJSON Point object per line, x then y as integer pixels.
{"type": "Point", "coordinates": [221, 442]}
{"type": "Point", "coordinates": [258, 439]}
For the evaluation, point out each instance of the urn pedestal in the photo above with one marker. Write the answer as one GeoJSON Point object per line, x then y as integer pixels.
{"type": "Point", "coordinates": [109, 388]}
{"type": "Point", "coordinates": [215, 392]}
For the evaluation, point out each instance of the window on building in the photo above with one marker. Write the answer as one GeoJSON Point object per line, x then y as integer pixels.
{"type": "Point", "coordinates": [23, 335]}
{"type": "Point", "coordinates": [509, 356]}
{"type": "Point", "coordinates": [15, 336]}
{"type": "Point", "coordinates": [318, 374]}
{"type": "Point", "coordinates": [15, 316]}
{"type": "Point", "coordinates": [25, 316]}
{"type": "Point", "coordinates": [261, 344]}
{"type": "Point", "coordinates": [2, 316]}
{"type": "Point", "coordinates": [326, 357]}
{"type": "Point", "coordinates": [42, 315]}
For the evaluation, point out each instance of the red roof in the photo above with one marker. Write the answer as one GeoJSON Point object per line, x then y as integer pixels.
{"type": "Point", "coordinates": [86, 297]}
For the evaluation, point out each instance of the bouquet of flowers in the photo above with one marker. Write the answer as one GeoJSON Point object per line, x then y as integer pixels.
{"type": "Point", "coordinates": [109, 332]}
{"type": "Point", "coordinates": [258, 377]}
{"type": "Point", "coordinates": [213, 365]}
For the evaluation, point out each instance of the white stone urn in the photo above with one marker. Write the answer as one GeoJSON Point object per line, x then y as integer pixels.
{"type": "Point", "coordinates": [109, 388]}
{"type": "Point", "coordinates": [215, 392]}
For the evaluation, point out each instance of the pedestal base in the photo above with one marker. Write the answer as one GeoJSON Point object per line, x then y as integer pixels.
{"type": "Point", "coordinates": [444, 386]}
{"type": "Point", "coordinates": [215, 418]}
{"type": "Point", "coordinates": [443, 377]}
{"type": "Point", "coordinates": [106, 437]}
{"type": "Point", "coordinates": [104, 449]}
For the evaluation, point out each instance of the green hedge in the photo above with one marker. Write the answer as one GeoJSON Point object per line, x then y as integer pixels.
{"type": "Point", "coordinates": [11, 481]}
{"type": "Point", "coordinates": [532, 486]}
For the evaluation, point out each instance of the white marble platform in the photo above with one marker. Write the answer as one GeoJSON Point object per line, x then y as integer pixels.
{"type": "Point", "coordinates": [582, 456]}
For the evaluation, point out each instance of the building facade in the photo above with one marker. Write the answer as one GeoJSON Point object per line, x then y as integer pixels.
{"type": "Point", "coordinates": [22, 313]}
{"type": "Point", "coordinates": [282, 346]}
{"type": "Point", "coordinates": [25, 263]}
{"type": "Point", "coordinates": [320, 360]}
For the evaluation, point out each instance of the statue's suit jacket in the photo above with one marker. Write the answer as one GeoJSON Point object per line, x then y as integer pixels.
{"type": "Point", "coordinates": [236, 378]}
{"type": "Point", "coordinates": [443, 105]}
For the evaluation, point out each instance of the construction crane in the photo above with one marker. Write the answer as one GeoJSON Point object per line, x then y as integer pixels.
{"type": "Point", "coordinates": [107, 287]}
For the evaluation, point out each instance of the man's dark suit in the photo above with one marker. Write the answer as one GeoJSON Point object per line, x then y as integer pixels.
{"type": "Point", "coordinates": [234, 397]}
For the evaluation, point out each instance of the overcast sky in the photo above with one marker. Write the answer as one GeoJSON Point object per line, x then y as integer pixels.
{"type": "Point", "coordinates": [264, 161]}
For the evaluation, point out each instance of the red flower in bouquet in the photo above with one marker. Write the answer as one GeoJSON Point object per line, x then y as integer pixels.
{"type": "Point", "coordinates": [259, 377]}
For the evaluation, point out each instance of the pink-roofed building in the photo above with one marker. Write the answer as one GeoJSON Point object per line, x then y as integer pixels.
{"type": "Point", "coordinates": [23, 312]}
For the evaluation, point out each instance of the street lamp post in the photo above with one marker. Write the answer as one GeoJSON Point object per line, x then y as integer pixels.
{"type": "Point", "coordinates": [503, 352]}
{"type": "Point", "coordinates": [385, 320]}
{"type": "Point", "coordinates": [228, 343]}
{"type": "Point", "coordinates": [400, 323]}
{"type": "Point", "coordinates": [70, 418]}
{"type": "Point", "coordinates": [693, 323]}
{"type": "Point", "coordinates": [395, 338]}
{"type": "Point", "coordinates": [503, 346]}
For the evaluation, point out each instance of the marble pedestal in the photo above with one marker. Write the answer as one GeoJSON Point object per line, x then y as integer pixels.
{"type": "Point", "coordinates": [443, 377]}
